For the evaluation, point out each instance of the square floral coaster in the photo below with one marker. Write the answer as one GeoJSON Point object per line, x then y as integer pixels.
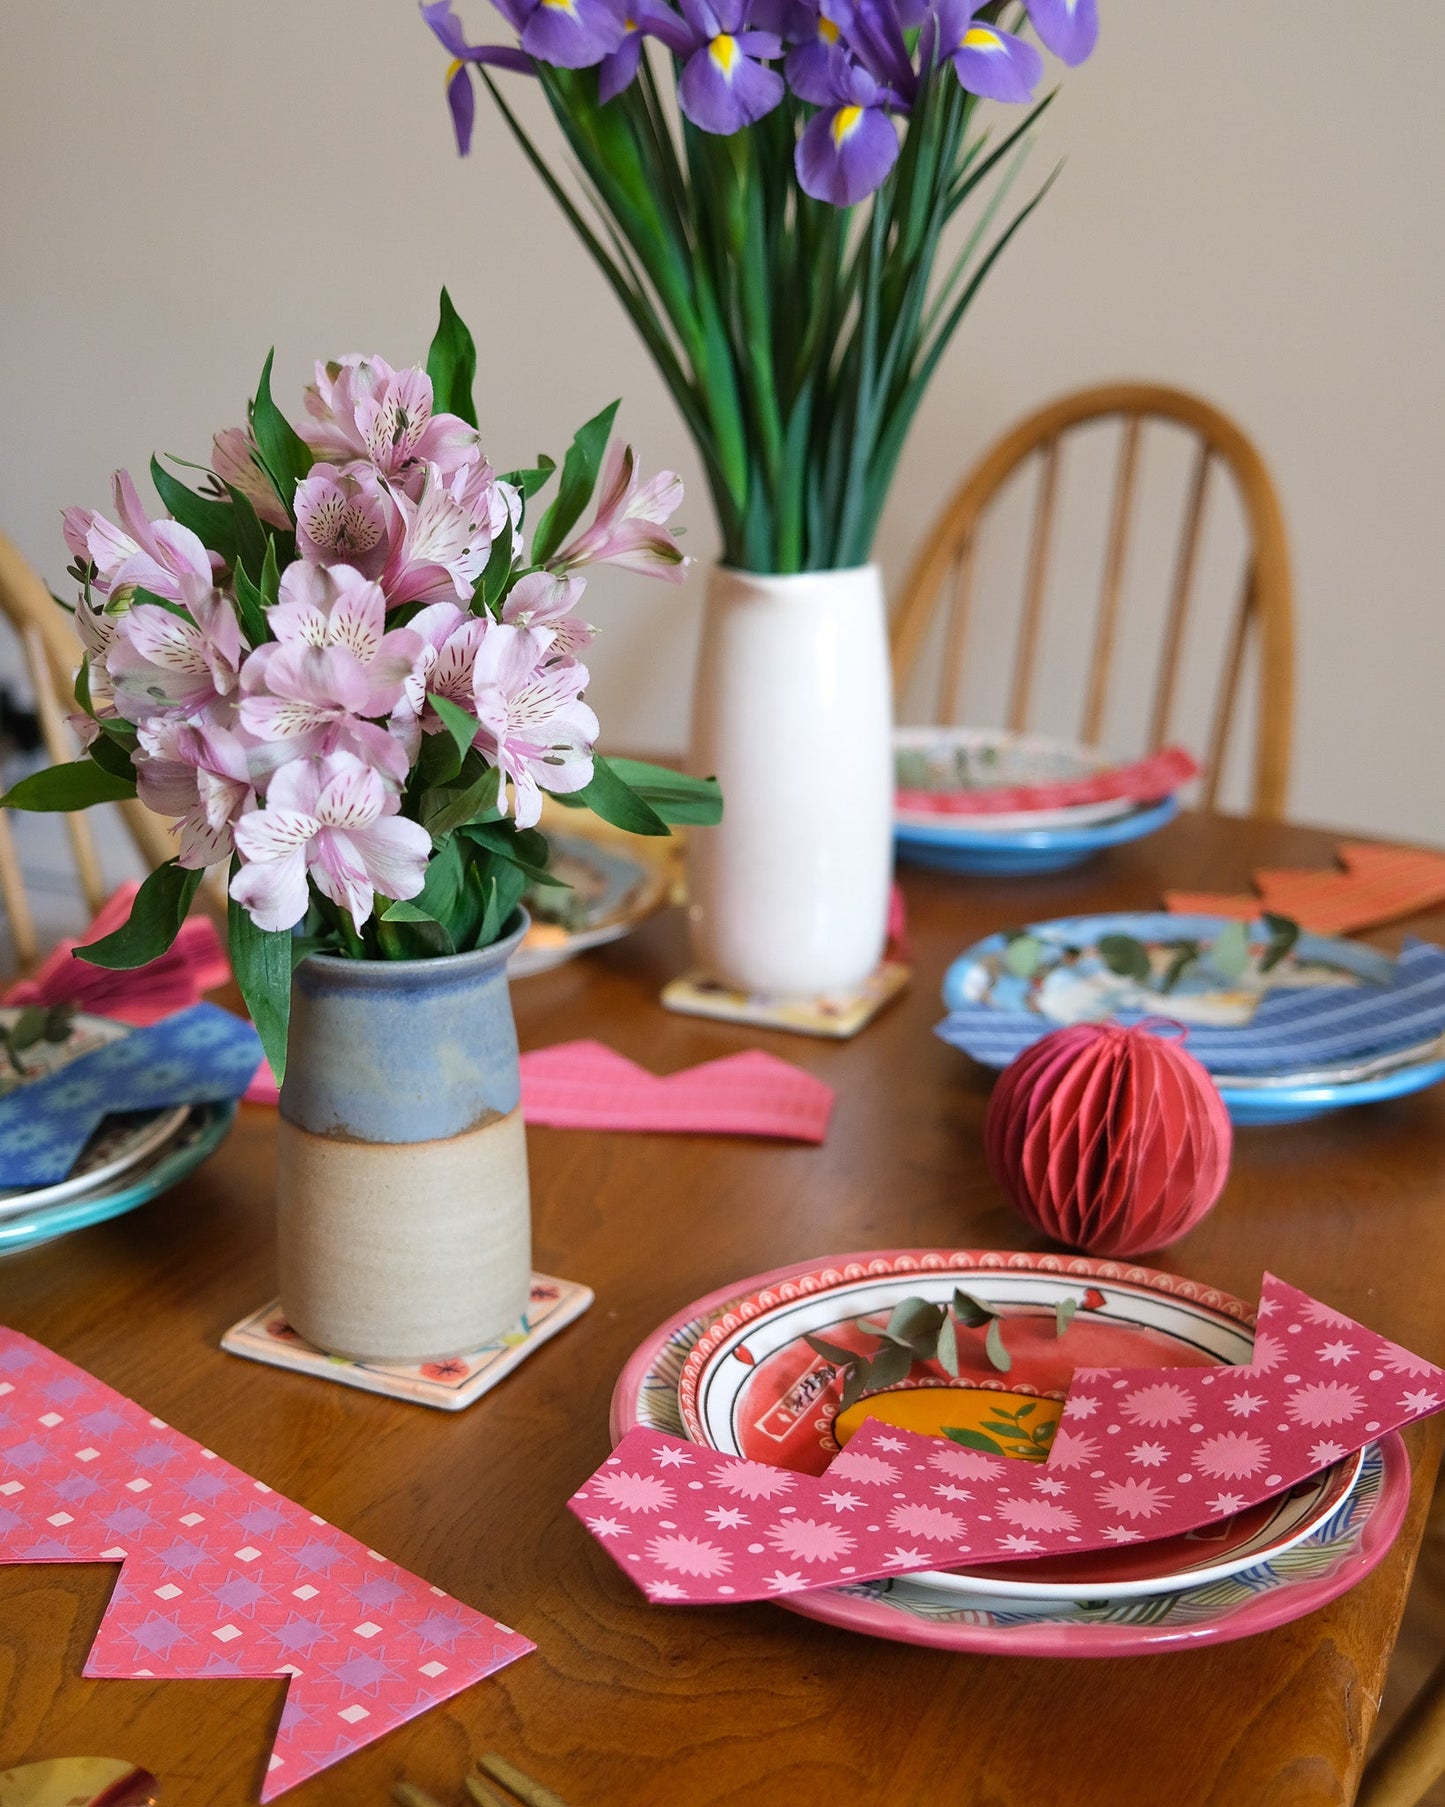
{"type": "Point", "coordinates": [839, 1015]}
{"type": "Point", "coordinates": [450, 1383]}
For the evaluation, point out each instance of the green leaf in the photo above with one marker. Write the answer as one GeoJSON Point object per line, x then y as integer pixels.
{"type": "Point", "coordinates": [505, 886]}
{"type": "Point", "coordinates": [830, 1352]}
{"type": "Point", "coordinates": [284, 453]}
{"type": "Point", "coordinates": [1284, 932]}
{"type": "Point", "coordinates": [77, 785]}
{"type": "Point", "coordinates": [461, 727]}
{"type": "Point", "coordinates": [973, 1440]}
{"type": "Point", "coordinates": [451, 363]}
{"type": "Point", "coordinates": [448, 807]}
{"type": "Point", "coordinates": [854, 1381]}
{"type": "Point", "coordinates": [890, 1365]}
{"type": "Point", "coordinates": [948, 1346]}
{"type": "Point", "coordinates": [155, 917]}
{"type": "Point", "coordinates": [1022, 955]}
{"type": "Point", "coordinates": [1183, 957]}
{"type": "Point", "coordinates": [971, 1312]}
{"type": "Point", "coordinates": [533, 479]}
{"type": "Point", "coordinates": [1064, 1315]}
{"type": "Point", "coordinates": [515, 847]}
{"type": "Point", "coordinates": [212, 521]}
{"type": "Point", "coordinates": [1229, 954]}
{"type": "Point", "coordinates": [994, 1349]}
{"type": "Point", "coordinates": [916, 1323]}
{"type": "Point", "coordinates": [612, 798]}
{"type": "Point", "coordinates": [261, 960]}
{"type": "Point", "coordinates": [1123, 955]}
{"type": "Point", "coordinates": [579, 479]}
{"type": "Point", "coordinates": [493, 583]}
{"type": "Point", "coordinates": [674, 796]}
{"type": "Point", "coordinates": [251, 538]}
{"type": "Point", "coordinates": [249, 604]}
{"type": "Point", "coordinates": [113, 756]}
{"type": "Point", "coordinates": [408, 932]}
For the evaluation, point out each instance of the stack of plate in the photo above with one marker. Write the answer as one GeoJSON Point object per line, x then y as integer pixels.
{"type": "Point", "coordinates": [131, 1158]}
{"type": "Point", "coordinates": [732, 1372]}
{"type": "Point", "coordinates": [952, 760]}
{"type": "Point", "coordinates": [997, 1013]}
{"type": "Point", "coordinates": [609, 889]}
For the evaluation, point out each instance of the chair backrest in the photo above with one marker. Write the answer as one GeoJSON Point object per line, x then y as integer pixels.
{"type": "Point", "coordinates": [52, 654]}
{"type": "Point", "coordinates": [944, 573]}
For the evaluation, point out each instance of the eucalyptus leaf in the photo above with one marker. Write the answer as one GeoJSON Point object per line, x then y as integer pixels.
{"type": "Point", "coordinates": [1284, 933]}
{"type": "Point", "coordinates": [948, 1346]}
{"type": "Point", "coordinates": [994, 1348]}
{"type": "Point", "coordinates": [1229, 952]}
{"type": "Point", "coordinates": [1126, 956]}
{"type": "Point", "coordinates": [1064, 1315]}
{"type": "Point", "coordinates": [891, 1364]}
{"type": "Point", "coordinates": [831, 1352]}
{"type": "Point", "coordinates": [970, 1312]}
{"type": "Point", "coordinates": [854, 1381]}
{"type": "Point", "coordinates": [1023, 955]}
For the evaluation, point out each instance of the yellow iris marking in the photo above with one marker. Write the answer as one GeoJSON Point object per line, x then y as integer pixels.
{"type": "Point", "coordinates": [724, 52]}
{"type": "Point", "coordinates": [845, 123]}
{"type": "Point", "coordinates": [977, 37]}
{"type": "Point", "coordinates": [560, 6]}
{"type": "Point", "coordinates": [452, 68]}
{"type": "Point", "coordinates": [827, 31]}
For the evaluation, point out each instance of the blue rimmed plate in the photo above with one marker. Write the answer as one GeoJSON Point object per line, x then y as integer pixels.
{"type": "Point", "coordinates": [199, 1136]}
{"type": "Point", "coordinates": [975, 980]}
{"type": "Point", "coordinates": [1023, 851]}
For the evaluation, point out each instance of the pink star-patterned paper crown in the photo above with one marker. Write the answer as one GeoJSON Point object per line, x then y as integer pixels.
{"type": "Point", "coordinates": [1140, 1453]}
{"type": "Point", "coordinates": [220, 1575]}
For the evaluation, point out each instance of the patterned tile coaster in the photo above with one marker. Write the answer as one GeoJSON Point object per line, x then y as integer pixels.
{"type": "Point", "coordinates": [449, 1384]}
{"type": "Point", "coordinates": [839, 1016]}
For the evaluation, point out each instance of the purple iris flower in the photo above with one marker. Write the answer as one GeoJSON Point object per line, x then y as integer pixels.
{"type": "Point", "coordinates": [460, 98]}
{"type": "Point", "coordinates": [989, 62]}
{"type": "Point", "coordinates": [724, 85]}
{"type": "Point", "coordinates": [848, 148]}
{"type": "Point", "coordinates": [568, 34]}
{"type": "Point", "coordinates": [644, 19]}
{"type": "Point", "coordinates": [815, 37]}
{"type": "Point", "coordinates": [1070, 28]}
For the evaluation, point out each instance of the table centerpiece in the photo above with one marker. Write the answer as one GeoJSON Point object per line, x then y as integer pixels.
{"type": "Point", "coordinates": [786, 254]}
{"type": "Point", "coordinates": [340, 670]}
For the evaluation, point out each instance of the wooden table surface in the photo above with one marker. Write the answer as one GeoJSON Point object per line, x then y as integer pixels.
{"type": "Point", "coordinates": [626, 1705]}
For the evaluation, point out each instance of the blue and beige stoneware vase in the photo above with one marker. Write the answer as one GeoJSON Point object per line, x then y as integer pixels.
{"type": "Point", "coordinates": [402, 1201]}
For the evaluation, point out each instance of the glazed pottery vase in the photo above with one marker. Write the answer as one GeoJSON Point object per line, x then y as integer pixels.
{"type": "Point", "coordinates": [402, 1204]}
{"type": "Point", "coordinates": [792, 710]}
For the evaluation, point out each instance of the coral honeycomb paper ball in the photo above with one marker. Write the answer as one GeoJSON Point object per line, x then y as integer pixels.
{"type": "Point", "coordinates": [1108, 1139]}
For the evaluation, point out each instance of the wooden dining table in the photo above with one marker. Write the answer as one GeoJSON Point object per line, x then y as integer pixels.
{"type": "Point", "coordinates": [626, 1704]}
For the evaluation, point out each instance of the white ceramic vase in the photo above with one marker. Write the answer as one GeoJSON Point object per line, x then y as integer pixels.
{"type": "Point", "coordinates": [792, 710]}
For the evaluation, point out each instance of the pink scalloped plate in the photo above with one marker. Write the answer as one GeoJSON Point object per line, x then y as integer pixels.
{"type": "Point", "coordinates": [1356, 1517]}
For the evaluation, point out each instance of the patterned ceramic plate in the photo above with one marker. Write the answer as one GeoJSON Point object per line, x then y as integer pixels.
{"type": "Point", "coordinates": [991, 759]}
{"type": "Point", "coordinates": [733, 1373]}
{"type": "Point", "coordinates": [200, 1135]}
{"type": "Point", "coordinates": [611, 892]}
{"type": "Point", "coordinates": [119, 1144]}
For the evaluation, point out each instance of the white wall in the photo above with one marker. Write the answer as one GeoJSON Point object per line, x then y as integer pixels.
{"type": "Point", "coordinates": [1250, 207]}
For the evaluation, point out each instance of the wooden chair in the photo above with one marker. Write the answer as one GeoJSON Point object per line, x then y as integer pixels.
{"type": "Point", "coordinates": [944, 572]}
{"type": "Point", "coordinates": [52, 655]}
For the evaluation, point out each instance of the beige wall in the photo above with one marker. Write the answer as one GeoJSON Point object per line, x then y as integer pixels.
{"type": "Point", "coordinates": [1251, 207]}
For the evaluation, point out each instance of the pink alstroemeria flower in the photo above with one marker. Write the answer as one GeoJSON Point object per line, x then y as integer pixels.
{"type": "Point", "coordinates": [334, 819]}
{"type": "Point", "coordinates": [159, 556]}
{"type": "Point", "coordinates": [534, 725]}
{"type": "Point", "coordinates": [159, 662]}
{"type": "Point", "coordinates": [236, 461]}
{"type": "Point", "coordinates": [203, 776]}
{"type": "Point", "coordinates": [446, 535]}
{"type": "Point", "coordinates": [627, 529]}
{"type": "Point", "coordinates": [542, 599]}
{"type": "Point", "coordinates": [362, 408]}
{"type": "Point", "coordinates": [449, 637]}
{"type": "Point", "coordinates": [332, 665]}
{"type": "Point", "coordinates": [342, 518]}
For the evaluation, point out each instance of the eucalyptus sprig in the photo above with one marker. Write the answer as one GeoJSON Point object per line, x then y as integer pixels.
{"type": "Point", "coordinates": [920, 1330]}
{"type": "Point", "coordinates": [36, 1023]}
{"type": "Point", "coordinates": [1128, 957]}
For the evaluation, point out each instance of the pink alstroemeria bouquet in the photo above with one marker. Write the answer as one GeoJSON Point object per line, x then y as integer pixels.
{"type": "Point", "coordinates": [337, 669]}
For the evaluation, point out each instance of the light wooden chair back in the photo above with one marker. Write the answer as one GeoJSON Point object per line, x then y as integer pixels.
{"type": "Point", "coordinates": [52, 655]}
{"type": "Point", "coordinates": [944, 573]}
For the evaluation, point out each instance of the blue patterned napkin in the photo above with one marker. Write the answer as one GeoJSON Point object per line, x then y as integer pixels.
{"type": "Point", "coordinates": [1291, 1031]}
{"type": "Point", "coordinates": [199, 1056]}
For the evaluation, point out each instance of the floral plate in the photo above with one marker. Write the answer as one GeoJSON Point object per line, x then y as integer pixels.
{"type": "Point", "coordinates": [1131, 1313]}
{"type": "Point", "coordinates": [200, 1135]}
{"type": "Point", "coordinates": [611, 891]}
{"type": "Point", "coordinates": [120, 1143]}
{"type": "Point", "coordinates": [990, 759]}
